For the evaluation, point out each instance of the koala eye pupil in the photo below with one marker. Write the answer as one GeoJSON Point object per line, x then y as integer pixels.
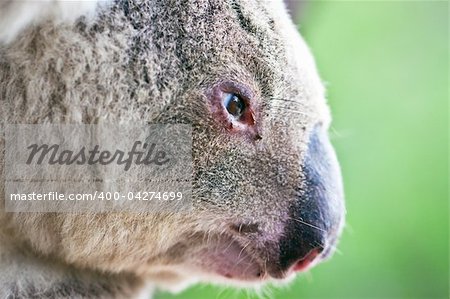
{"type": "Point", "coordinates": [235, 105]}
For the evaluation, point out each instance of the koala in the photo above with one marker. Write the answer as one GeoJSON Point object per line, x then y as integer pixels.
{"type": "Point", "coordinates": [266, 182]}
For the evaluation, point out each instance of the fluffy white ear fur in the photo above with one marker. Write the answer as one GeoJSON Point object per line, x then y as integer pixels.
{"type": "Point", "coordinates": [16, 15]}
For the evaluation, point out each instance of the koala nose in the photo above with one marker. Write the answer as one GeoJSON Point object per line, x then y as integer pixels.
{"type": "Point", "coordinates": [316, 216]}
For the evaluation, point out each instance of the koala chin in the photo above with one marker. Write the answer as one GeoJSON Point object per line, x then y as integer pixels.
{"type": "Point", "coordinates": [266, 182]}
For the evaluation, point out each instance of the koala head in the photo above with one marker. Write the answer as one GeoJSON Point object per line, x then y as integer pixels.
{"type": "Point", "coordinates": [267, 190]}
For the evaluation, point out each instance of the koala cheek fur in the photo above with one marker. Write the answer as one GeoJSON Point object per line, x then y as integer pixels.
{"type": "Point", "coordinates": [269, 199]}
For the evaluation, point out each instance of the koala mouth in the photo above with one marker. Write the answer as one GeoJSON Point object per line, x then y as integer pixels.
{"type": "Point", "coordinates": [229, 259]}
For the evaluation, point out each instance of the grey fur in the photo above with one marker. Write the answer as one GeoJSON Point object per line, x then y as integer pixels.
{"type": "Point", "coordinates": [157, 61]}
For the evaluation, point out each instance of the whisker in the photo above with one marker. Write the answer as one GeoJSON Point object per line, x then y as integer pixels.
{"type": "Point", "coordinates": [284, 100]}
{"type": "Point", "coordinates": [242, 250]}
{"type": "Point", "coordinates": [289, 109]}
{"type": "Point", "coordinates": [335, 133]}
{"type": "Point", "coordinates": [308, 224]}
{"type": "Point", "coordinates": [336, 249]}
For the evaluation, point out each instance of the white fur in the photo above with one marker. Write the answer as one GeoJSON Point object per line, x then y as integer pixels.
{"type": "Point", "coordinates": [16, 15]}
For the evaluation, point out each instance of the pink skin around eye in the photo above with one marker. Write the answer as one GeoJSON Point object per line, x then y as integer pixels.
{"type": "Point", "coordinates": [247, 124]}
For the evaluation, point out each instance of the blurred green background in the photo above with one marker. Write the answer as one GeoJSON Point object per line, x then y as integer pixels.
{"type": "Point", "coordinates": [386, 68]}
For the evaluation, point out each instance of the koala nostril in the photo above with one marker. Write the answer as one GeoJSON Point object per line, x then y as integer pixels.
{"type": "Point", "coordinates": [305, 262]}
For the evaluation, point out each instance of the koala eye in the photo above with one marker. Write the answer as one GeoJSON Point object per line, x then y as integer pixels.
{"type": "Point", "coordinates": [234, 104]}
{"type": "Point", "coordinates": [235, 107]}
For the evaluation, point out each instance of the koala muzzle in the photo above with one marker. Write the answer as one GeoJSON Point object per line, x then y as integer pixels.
{"type": "Point", "coordinates": [316, 217]}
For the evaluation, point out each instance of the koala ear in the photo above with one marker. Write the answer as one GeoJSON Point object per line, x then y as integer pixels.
{"type": "Point", "coordinates": [16, 15]}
